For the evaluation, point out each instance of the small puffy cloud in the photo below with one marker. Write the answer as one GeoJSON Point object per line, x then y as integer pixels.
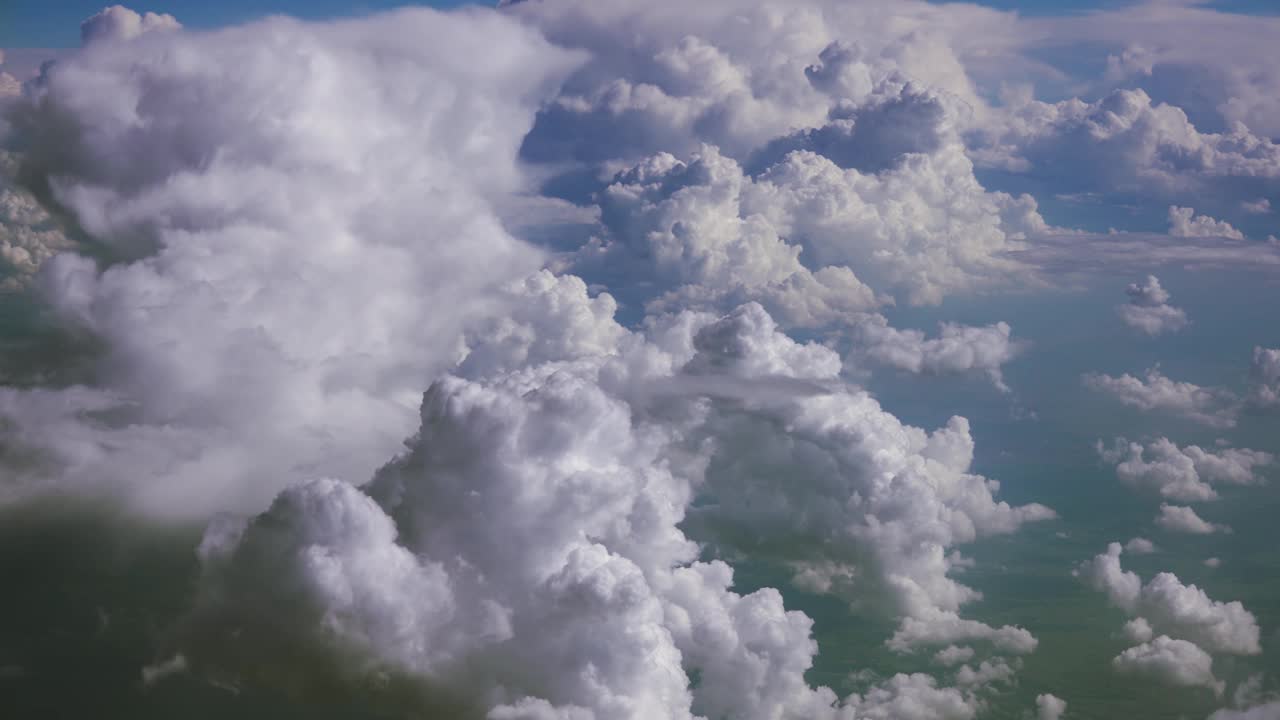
{"type": "Point", "coordinates": [1176, 662]}
{"type": "Point", "coordinates": [953, 655]}
{"type": "Point", "coordinates": [1261, 206]}
{"type": "Point", "coordinates": [1149, 310]}
{"type": "Point", "coordinates": [1183, 474]}
{"type": "Point", "coordinates": [1154, 392]}
{"type": "Point", "coordinates": [120, 23]}
{"type": "Point", "coordinates": [1181, 519]}
{"type": "Point", "coordinates": [1050, 707]}
{"type": "Point", "coordinates": [1138, 630]}
{"type": "Point", "coordinates": [1212, 562]}
{"type": "Point", "coordinates": [1183, 222]}
{"type": "Point", "coordinates": [1140, 546]}
{"type": "Point", "coordinates": [914, 697]}
{"type": "Point", "coordinates": [1165, 606]}
{"type": "Point", "coordinates": [1264, 376]}
{"type": "Point", "coordinates": [956, 349]}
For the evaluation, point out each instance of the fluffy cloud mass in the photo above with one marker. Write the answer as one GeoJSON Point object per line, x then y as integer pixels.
{"type": "Point", "coordinates": [1183, 474]}
{"type": "Point", "coordinates": [1149, 310]}
{"type": "Point", "coordinates": [1168, 607]}
{"type": "Point", "coordinates": [1155, 392]}
{"type": "Point", "coordinates": [308, 251]}
{"type": "Point", "coordinates": [957, 349]}
{"type": "Point", "coordinates": [519, 383]}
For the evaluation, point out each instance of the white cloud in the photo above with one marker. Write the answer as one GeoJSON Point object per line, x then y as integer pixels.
{"type": "Point", "coordinates": [1261, 206]}
{"type": "Point", "coordinates": [1154, 392]}
{"type": "Point", "coordinates": [1212, 562]}
{"type": "Point", "coordinates": [953, 655]}
{"type": "Point", "coordinates": [1165, 606]}
{"type": "Point", "coordinates": [332, 259]}
{"type": "Point", "coordinates": [1179, 519]}
{"type": "Point", "coordinates": [117, 23]}
{"type": "Point", "coordinates": [1184, 474]}
{"type": "Point", "coordinates": [1184, 223]}
{"type": "Point", "coordinates": [590, 601]}
{"type": "Point", "coordinates": [1138, 630]}
{"type": "Point", "coordinates": [29, 235]}
{"type": "Point", "coordinates": [1176, 662]}
{"type": "Point", "coordinates": [957, 349]}
{"type": "Point", "coordinates": [1149, 310]}
{"type": "Point", "coordinates": [1140, 546]}
{"type": "Point", "coordinates": [1050, 707]}
{"type": "Point", "coordinates": [1264, 375]}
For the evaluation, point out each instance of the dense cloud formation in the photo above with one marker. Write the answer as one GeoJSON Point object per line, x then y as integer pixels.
{"type": "Point", "coordinates": [482, 370]}
{"type": "Point", "coordinates": [575, 455]}
{"type": "Point", "coordinates": [1149, 310]}
{"type": "Point", "coordinates": [309, 252]}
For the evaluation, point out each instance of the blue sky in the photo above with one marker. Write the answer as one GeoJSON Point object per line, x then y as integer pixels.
{"type": "Point", "coordinates": [39, 23]}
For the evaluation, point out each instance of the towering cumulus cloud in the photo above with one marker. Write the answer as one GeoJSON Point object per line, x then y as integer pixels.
{"type": "Point", "coordinates": [278, 214]}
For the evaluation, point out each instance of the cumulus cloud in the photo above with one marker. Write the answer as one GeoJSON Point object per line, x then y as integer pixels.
{"type": "Point", "coordinates": [1165, 606]}
{"type": "Point", "coordinates": [1180, 519]}
{"type": "Point", "coordinates": [1261, 206]}
{"type": "Point", "coordinates": [1140, 546]}
{"type": "Point", "coordinates": [1264, 375]}
{"type": "Point", "coordinates": [1183, 474]}
{"type": "Point", "coordinates": [313, 252]}
{"type": "Point", "coordinates": [576, 457]}
{"type": "Point", "coordinates": [116, 23]}
{"type": "Point", "coordinates": [1050, 707]}
{"type": "Point", "coordinates": [1149, 310]}
{"type": "Point", "coordinates": [1154, 392]}
{"type": "Point", "coordinates": [1176, 662]}
{"type": "Point", "coordinates": [29, 235]}
{"type": "Point", "coordinates": [957, 349]}
{"type": "Point", "coordinates": [1183, 222]}
{"type": "Point", "coordinates": [1124, 142]}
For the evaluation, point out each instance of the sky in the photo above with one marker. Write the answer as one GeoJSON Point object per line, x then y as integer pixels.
{"type": "Point", "coordinates": [574, 360]}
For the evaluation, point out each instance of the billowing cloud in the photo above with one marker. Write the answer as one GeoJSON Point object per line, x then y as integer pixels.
{"type": "Point", "coordinates": [311, 252]}
{"type": "Point", "coordinates": [1167, 607]}
{"type": "Point", "coordinates": [1264, 374]}
{"type": "Point", "coordinates": [1149, 310]}
{"type": "Point", "coordinates": [1183, 222]}
{"type": "Point", "coordinates": [1183, 474]}
{"type": "Point", "coordinates": [1140, 546]}
{"type": "Point", "coordinates": [1180, 519]}
{"type": "Point", "coordinates": [120, 23]}
{"type": "Point", "coordinates": [1176, 662]}
{"type": "Point", "coordinates": [1050, 707]}
{"type": "Point", "coordinates": [1154, 392]}
{"type": "Point", "coordinates": [576, 459]}
{"type": "Point", "coordinates": [957, 349]}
